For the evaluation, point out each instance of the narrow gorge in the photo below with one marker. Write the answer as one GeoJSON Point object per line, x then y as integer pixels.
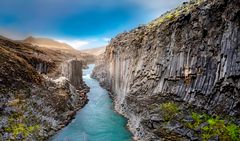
{"type": "Point", "coordinates": [178, 78]}
{"type": "Point", "coordinates": [96, 120]}
{"type": "Point", "coordinates": [49, 95]}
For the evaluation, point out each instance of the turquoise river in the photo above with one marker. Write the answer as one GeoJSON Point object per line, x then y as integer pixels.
{"type": "Point", "coordinates": [97, 121]}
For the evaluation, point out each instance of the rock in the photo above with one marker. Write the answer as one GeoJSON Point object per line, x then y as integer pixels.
{"type": "Point", "coordinates": [191, 60]}
{"type": "Point", "coordinates": [50, 106]}
{"type": "Point", "coordinates": [188, 119]}
{"type": "Point", "coordinates": [72, 70]}
{"type": "Point", "coordinates": [192, 136]}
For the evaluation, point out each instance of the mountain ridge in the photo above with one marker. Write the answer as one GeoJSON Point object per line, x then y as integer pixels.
{"type": "Point", "coordinates": [47, 43]}
{"type": "Point", "coordinates": [95, 51]}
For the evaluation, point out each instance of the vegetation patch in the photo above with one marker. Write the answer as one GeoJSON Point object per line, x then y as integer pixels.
{"type": "Point", "coordinates": [169, 110]}
{"type": "Point", "coordinates": [19, 127]}
{"type": "Point", "coordinates": [206, 127]}
{"type": "Point", "coordinates": [175, 13]}
{"type": "Point", "coordinates": [214, 127]}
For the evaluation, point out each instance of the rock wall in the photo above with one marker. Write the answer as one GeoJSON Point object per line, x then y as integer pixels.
{"type": "Point", "coordinates": [192, 60]}
{"type": "Point", "coordinates": [35, 99]}
{"type": "Point", "coordinates": [68, 95]}
{"type": "Point", "coordinates": [72, 70]}
{"type": "Point", "coordinates": [39, 111]}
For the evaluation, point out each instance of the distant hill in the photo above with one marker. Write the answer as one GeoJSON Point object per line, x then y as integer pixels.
{"type": "Point", "coordinates": [47, 43]}
{"type": "Point", "coordinates": [58, 46]}
{"type": "Point", "coordinates": [19, 62]}
{"type": "Point", "coordinates": [95, 51]}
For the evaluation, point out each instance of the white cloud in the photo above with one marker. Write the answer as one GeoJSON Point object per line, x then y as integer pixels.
{"type": "Point", "coordinates": [77, 44]}
{"type": "Point", "coordinates": [81, 44]}
{"type": "Point", "coordinates": [106, 39]}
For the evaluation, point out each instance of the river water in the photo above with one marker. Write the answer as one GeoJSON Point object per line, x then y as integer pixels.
{"type": "Point", "coordinates": [97, 121]}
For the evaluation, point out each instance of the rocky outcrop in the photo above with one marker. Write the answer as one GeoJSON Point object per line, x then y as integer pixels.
{"type": "Point", "coordinates": [35, 99]}
{"type": "Point", "coordinates": [72, 70]}
{"type": "Point", "coordinates": [189, 57]}
{"type": "Point", "coordinates": [68, 95]}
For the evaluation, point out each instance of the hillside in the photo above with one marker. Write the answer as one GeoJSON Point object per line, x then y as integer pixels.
{"type": "Point", "coordinates": [177, 78]}
{"type": "Point", "coordinates": [34, 101]}
{"type": "Point", "coordinates": [63, 48]}
{"type": "Point", "coordinates": [95, 51]}
{"type": "Point", "coordinates": [18, 56]}
{"type": "Point", "coordinates": [47, 43]}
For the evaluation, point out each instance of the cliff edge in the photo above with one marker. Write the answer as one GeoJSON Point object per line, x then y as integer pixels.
{"type": "Point", "coordinates": [178, 78]}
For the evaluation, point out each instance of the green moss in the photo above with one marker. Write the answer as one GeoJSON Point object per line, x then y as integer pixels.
{"type": "Point", "coordinates": [169, 110]}
{"type": "Point", "coordinates": [21, 129]}
{"type": "Point", "coordinates": [214, 126]}
{"type": "Point", "coordinates": [233, 131]}
{"type": "Point", "coordinates": [175, 14]}
{"type": "Point", "coordinates": [198, 119]}
{"type": "Point", "coordinates": [18, 125]}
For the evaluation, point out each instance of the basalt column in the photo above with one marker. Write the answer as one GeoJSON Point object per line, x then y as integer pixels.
{"type": "Point", "coordinates": [72, 70]}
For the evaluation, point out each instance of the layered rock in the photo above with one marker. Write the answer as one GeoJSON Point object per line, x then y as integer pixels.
{"type": "Point", "coordinates": [191, 59]}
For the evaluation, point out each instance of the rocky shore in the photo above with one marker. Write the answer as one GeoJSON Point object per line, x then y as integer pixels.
{"type": "Point", "coordinates": [69, 92]}
{"type": "Point", "coordinates": [178, 77]}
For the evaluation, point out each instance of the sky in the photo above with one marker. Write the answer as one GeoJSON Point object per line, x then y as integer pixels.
{"type": "Point", "coordinates": [80, 23]}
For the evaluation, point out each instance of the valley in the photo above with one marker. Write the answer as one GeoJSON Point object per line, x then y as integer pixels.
{"type": "Point", "coordinates": [176, 78]}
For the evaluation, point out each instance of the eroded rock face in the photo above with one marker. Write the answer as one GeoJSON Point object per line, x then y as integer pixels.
{"type": "Point", "coordinates": [192, 60]}
{"type": "Point", "coordinates": [67, 94]}
{"type": "Point", "coordinates": [35, 99]}
{"type": "Point", "coordinates": [47, 107]}
{"type": "Point", "coordinates": [72, 70]}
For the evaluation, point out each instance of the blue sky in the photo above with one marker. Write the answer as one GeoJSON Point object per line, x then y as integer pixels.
{"type": "Point", "coordinates": [80, 23]}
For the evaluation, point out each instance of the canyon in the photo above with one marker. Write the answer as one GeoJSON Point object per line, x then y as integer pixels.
{"type": "Point", "coordinates": [172, 77]}
{"type": "Point", "coordinates": [176, 78]}
{"type": "Point", "coordinates": [96, 120]}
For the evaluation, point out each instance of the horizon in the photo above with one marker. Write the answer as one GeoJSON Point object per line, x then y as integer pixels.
{"type": "Point", "coordinates": [80, 24]}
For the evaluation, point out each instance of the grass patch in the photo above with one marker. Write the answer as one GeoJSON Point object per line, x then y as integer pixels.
{"type": "Point", "coordinates": [175, 13]}
{"type": "Point", "coordinates": [211, 127]}
{"type": "Point", "coordinates": [19, 127]}
{"type": "Point", "coordinates": [169, 110]}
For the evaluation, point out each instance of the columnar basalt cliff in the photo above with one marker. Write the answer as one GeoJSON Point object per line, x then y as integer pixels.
{"type": "Point", "coordinates": [37, 96]}
{"type": "Point", "coordinates": [72, 70]}
{"type": "Point", "coordinates": [185, 63]}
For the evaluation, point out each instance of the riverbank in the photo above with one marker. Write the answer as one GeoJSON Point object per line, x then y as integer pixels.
{"type": "Point", "coordinates": [96, 120]}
